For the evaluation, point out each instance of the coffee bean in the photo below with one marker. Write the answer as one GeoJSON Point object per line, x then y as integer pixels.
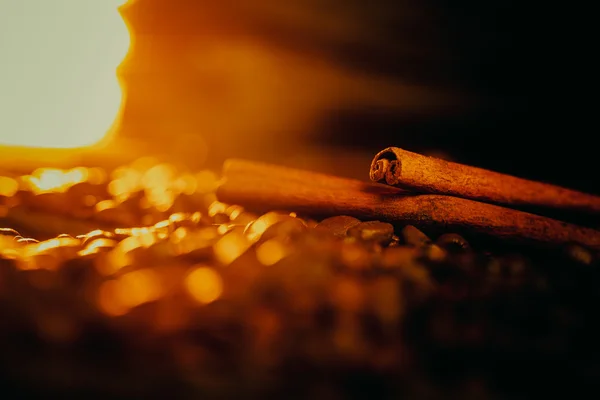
{"type": "Point", "coordinates": [338, 226]}
{"type": "Point", "coordinates": [343, 297]}
{"type": "Point", "coordinates": [244, 218]}
{"type": "Point", "coordinates": [579, 254]}
{"type": "Point", "coordinates": [257, 228]}
{"type": "Point", "coordinates": [380, 232]}
{"type": "Point", "coordinates": [414, 237]}
{"type": "Point", "coordinates": [435, 253]}
{"type": "Point", "coordinates": [9, 232]}
{"type": "Point", "coordinates": [453, 242]}
{"type": "Point", "coordinates": [284, 229]}
{"type": "Point", "coordinates": [27, 241]}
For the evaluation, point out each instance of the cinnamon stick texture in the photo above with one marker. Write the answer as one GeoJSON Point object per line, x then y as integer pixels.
{"type": "Point", "coordinates": [401, 168]}
{"type": "Point", "coordinates": [263, 187]}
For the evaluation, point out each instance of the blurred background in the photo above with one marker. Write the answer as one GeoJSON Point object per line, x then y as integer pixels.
{"type": "Point", "coordinates": [164, 289]}
{"type": "Point", "coordinates": [326, 84]}
{"type": "Point", "coordinates": [496, 84]}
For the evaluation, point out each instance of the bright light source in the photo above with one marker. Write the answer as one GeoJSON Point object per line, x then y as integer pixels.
{"type": "Point", "coordinates": [58, 80]}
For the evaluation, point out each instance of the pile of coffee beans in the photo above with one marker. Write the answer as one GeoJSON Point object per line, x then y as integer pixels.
{"type": "Point", "coordinates": [138, 282]}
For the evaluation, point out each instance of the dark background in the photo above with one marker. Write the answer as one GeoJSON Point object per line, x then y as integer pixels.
{"type": "Point", "coordinates": [498, 84]}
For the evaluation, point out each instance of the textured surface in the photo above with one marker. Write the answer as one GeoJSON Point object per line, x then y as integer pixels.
{"type": "Point", "coordinates": [184, 296]}
{"type": "Point", "coordinates": [262, 186]}
{"type": "Point", "coordinates": [401, 168]}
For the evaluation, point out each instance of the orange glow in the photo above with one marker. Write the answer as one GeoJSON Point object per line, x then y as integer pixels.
{"type": "Point", "coordinates": [160, 175]}
{"type": "Point", "coordinates": [48, 245]}
{"type": "Point", "coordinates": [204, 284]}
{"type": "Point", "coordinates": [99, 232]}
{"type": "Point", "coordinates": [95, 246]}
{"type": "Point", "coordinates": [8, 186]}
{"type": "Point", "coordinates": [96, 176]}
{"type": "Point", "coordinates": [179, 235]}
{"type": "Point", "coordinates": [121, 256]}
{"type": "Point", "coordinates": [234, 212]}
{"type": "Point", "coordinates": [139, 287]}
{"type": "Point", "coordinates": [105, 205]}
{"type": "Point", "coordinates": [186, 184]}
{"type": "Point", "coordinates": [348, 295]}
{"type": "Point", "coordinates": [206, 181]}
{"type": "Point", "coordinates": [216, 207]}
{"type": "Point", "coordinates": [230, 247]}
{"type": "Point", "coordinates": [255, 230]}
{"type": "Point", "coordinates": [270, 252]}
{"type": "Point", "coordinates": [58, 80]}
{"type": "Point", "coordinates": [45, 180]}
{"type": "Point", "coordinates": [8, 248]}
{"type": "Point", "coordinates": [117, 297]}
{"type": "Point", "coordinates": [109, 301]}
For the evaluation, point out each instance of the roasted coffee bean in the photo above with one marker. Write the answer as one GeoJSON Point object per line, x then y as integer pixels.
{"type": "Point", "coordinates": [356, 256]}
{"type": "Point", "coordinates": [234, 211]}
{"type": "Point", "coordinates": [9, 232]}
{"type": "Point", "coordinates": [579, 254]}
{"type": "Point", "coordinates": [220, 304]}
{"type": "Point", "coordinates": [243, 218]}
{"type": "Point", "coordinates": [397, 257]}
{"type": "Point", "coordinates": [284, 229]}
{"type": "Point", "coordinates": [220, 218]}
{"type": "Point", "coordinates": [435, 253]}
{"type": "Point", "coordinates": [453, 242]}
{"type": "Point", "coordinates": [414, 237]}
{"type": "Point", "coordinates": [338, 226]}
{"type": "Point", "coordinates": [188, 220]}
{"type": "Point", "coordinates": [27, 241]}
{"type": "Point", "coordinates": [257, 228]}
{"type": "Point", "coordinates": [217, 211]}
{"type": "Point", "coordinates": [98, 244]}
{"type": "Point", "coordinates": [97, 234]}
{"type": "Point", "coordinates": [231, 246]}
{"type": "Point", "coordinates": [395, 241]}
{"type": "Point", "coordinates": [380, 232]}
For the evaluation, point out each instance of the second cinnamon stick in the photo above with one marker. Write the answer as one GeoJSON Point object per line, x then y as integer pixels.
{"type": "Point", "coordinates": [401, 168]}
{"type": "Point", "coordinates": [264, 187]}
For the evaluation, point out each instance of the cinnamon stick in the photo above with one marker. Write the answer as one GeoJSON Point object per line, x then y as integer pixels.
{"type": "Point", "coordinates": [264, 187]}
{"type": "Point", "coordinates": [401, 168]}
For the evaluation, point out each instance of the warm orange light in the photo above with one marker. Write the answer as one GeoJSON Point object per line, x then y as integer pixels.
{"type": "Point", "coordinates": [139, 287]}
{"type": "Point", "coordinates": [96, 246]}
{"type": "Point", "coordinates": [58, 79]}
{"type": "Point", "coordinates": [54, 180]}
{"type": "Point", "coordinates": [8, 186]}
{"type": "Point", "coordinates": [204, 284]}
{"type": "Point", "coordinates": [109, 300]}
{"type": "Point", "coordinates": [117, 297]}
{"type": "Point", "coordinates": [230, 247]}
{"type": "Point", "coordinates": [270, 252]}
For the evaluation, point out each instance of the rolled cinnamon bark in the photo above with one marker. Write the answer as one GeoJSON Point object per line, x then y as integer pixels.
{"type": "Point", "coordinates": [401, 168]}
{"type": "Point", "coordinates": [264, 187]}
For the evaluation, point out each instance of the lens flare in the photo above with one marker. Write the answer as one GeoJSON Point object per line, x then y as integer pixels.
{"type": "Point", "coordinates": [58, 75]}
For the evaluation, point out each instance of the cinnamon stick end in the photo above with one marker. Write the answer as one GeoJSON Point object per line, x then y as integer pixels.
{"type": "Point", "coordinates": [392, 176]}
{"type": "Point", "coordinates": [379, 170]}
{"type": "Point", "coordinates": [385, 166]}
